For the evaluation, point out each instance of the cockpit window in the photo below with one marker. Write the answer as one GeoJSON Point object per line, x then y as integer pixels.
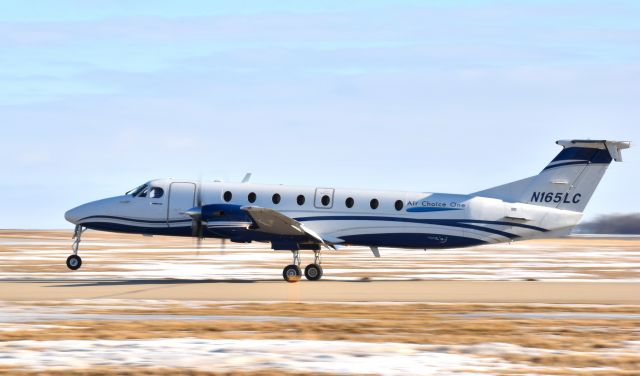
{"type": "Point", "coordinates": [156, 192]}
{"type": "Point", "coordinates": [134, 192]}
{"type": "Point", "coordinates": [144, 192]}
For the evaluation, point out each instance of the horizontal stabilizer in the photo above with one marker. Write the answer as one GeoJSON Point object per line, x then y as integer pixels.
{"type": "Point", "coordinates": [612, 147]}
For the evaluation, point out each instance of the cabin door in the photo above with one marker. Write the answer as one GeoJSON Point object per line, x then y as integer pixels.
{"type": "Point", "coordinates": [181, 198]}
{"type": "Point", "coordinates": [324, 198]}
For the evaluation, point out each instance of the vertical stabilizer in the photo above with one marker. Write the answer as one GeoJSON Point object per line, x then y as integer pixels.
{"type": "Point", "coordinates": [569, 180]}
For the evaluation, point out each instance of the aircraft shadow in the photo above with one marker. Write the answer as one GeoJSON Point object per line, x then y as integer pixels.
{"type": "Point", "coordinates": [130, 282]}
{"type": "Point", "coordinates": [142, 282]}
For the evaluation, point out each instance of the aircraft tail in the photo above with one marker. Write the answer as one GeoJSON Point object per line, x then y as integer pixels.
{"type": "Point", "coordinates": [568, 181]}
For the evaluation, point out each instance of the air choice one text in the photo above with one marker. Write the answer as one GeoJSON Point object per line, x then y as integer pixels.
{"type": "Point", "coordinates": [437, 204]}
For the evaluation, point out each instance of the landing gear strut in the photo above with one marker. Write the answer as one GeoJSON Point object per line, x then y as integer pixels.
{"type": "Point", "coordinates": [313, 272]}
{"type": "Point", "coordinates": [74, 262]}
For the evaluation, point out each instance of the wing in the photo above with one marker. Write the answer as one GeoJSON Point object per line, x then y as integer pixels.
{"type": "Point", "coordinates": [276, 223]}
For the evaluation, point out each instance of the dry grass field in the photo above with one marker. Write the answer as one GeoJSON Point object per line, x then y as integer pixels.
{"type": "Point", "coordinates": [333, 338]}
{"type": "Point", "coordinates": [154, 306]}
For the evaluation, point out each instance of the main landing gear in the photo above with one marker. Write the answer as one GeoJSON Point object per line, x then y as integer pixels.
{"type": "Point", "coordinates": [74, 262]}
{"type": "Point", "coordinates": [313, 272]}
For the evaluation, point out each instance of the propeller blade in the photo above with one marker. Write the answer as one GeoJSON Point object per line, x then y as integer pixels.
{"type": "Point", "coordinates": [198, 224]}
{"type": "Point", "coordinates": [198, 233]}
{"type": "Point", "coordinates": [199, 194]}
{"type": "Point", "coordinates": [223, 245]}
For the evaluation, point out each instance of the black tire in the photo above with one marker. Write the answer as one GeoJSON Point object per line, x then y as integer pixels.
{"type": "Point", "coordinates": [313, 272]}
{"type": "Point", "coordinates": [291, 273]}
{"type": "Point", "coordinates": [74, 262]}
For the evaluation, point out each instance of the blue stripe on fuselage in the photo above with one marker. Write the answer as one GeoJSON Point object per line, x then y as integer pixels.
{"type": "Point", "coordinates": [421, 209]}
{"type": "Point", "coordinates": [472, 224]}
{"type": "Point", "coordinates": [412, 240]}
{"type": "Point", "coordinates": [149, 221]}
{"type": "Point", "coordinates": [406, 240]}
{"type": "Point", "coordinates": [463, 223]}
{"type": "Point", "coordinates": [116, 227]}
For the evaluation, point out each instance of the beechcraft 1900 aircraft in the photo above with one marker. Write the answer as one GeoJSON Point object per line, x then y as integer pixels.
{"type": "Point", "coordinates": [296, 218]}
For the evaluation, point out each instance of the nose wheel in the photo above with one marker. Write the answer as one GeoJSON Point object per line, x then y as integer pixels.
{"type": "Point", "coordinates": [74, 262]}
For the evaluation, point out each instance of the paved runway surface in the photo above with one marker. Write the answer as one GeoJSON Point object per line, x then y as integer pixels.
{"type": "Point", "coordinates": [327, 291]}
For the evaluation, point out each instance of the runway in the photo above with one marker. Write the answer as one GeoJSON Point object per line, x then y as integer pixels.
{"type": "Point", "coordinates": [535, 307]}
{"type": "Point", "coordinates": [326, 291]}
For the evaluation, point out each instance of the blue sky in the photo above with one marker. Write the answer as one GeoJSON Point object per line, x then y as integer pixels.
{"type": "Point", "coordinates": [451, 96]}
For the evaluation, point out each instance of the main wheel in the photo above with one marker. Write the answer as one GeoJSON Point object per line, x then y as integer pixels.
{"type": "Point", "coordinates": [291, 273]}
{"type": "Point", "coordinates": [313, 272]}
{"type": "Point", "coordinates": [74, 262]}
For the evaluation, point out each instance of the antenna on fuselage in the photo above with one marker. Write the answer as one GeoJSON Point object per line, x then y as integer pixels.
{"type": "Point", "coordinates": [246, 178]}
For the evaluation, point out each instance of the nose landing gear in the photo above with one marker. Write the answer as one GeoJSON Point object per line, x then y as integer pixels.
{"type": "Point", "coordinates": [292, 272]}
{"type": "Point", "coordinates": [74, 262]}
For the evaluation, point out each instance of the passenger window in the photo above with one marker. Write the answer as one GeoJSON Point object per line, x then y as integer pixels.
{"type": "Point", "coordinates": [156, 192]}
{"type": "Point", "coordinates": [326, 200]}
{"type": "Point", "coordinates": [300, 200]}
{"type": "Point", "coordinates": [349, 202]}
{"type": "Point", "coordinates": [374, 203]}
{"type": "Point", "coordinates": [227, 196]}
{"type": "Point", "coordinates": [399, 205]}
{"type": "Point", "coordinates": [276, 198]}
{"type": "Point", "coordinates": [252, 197]}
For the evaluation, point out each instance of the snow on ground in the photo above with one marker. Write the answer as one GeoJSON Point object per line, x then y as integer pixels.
{"type": "Point", "coordinates": [343, 357]}
{"type": "Point", "coordinates": [11, 326]}
{"type": "Point", "coordinates": [127, 257]}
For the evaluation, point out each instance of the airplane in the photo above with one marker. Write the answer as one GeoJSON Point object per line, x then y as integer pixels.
{"type": "Point", "coordinates": [295, 218]}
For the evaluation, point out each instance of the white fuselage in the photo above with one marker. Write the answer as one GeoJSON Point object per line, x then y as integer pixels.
{"type": "Point", "coordinates": [350, 216]}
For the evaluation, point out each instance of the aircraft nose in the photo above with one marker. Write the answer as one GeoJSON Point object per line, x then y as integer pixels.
{"type": "Point", "coordinates": [77, 214]}
{"type": "Point", "coordinates": [80, 214]}
{"type": "Point", "coordinates": [73, 215]}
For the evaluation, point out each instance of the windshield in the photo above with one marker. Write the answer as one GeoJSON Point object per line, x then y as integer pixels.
{"type": "Point", "coordinates": [134, 192]}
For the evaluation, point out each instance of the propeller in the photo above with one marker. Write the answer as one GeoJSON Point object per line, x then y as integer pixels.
{"type": "Point", "coordinates": [198, 225]}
